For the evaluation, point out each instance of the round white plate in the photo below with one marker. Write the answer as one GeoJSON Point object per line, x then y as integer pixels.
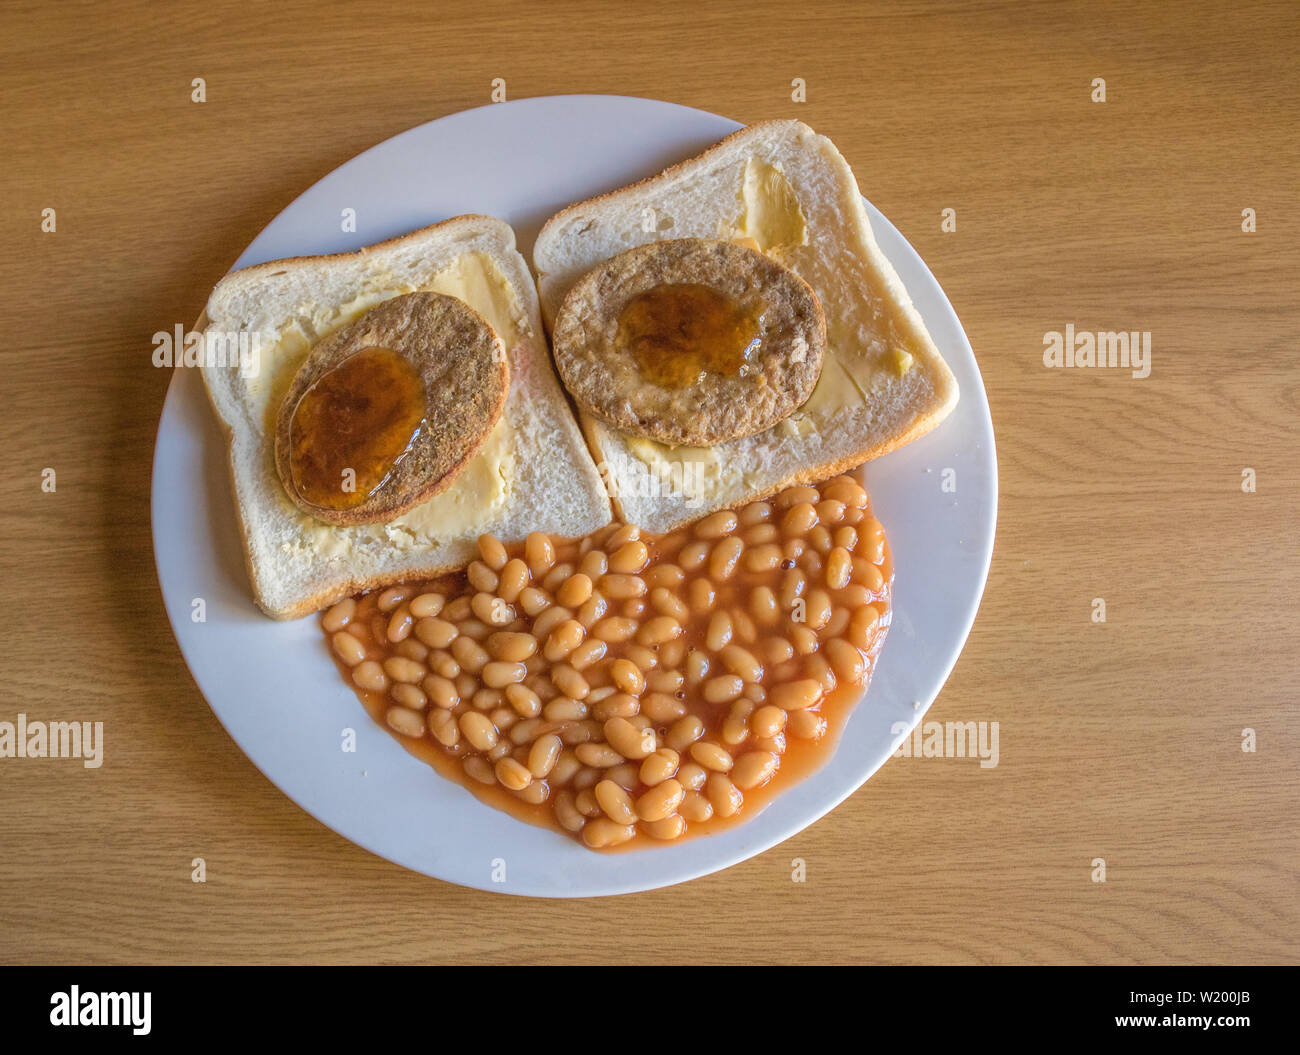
{"type": "Point", "coordinates": [274, 686]}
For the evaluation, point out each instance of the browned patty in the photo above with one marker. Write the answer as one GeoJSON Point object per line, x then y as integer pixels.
{"type": "Point", "coordinates": [446, 358]}
{"type": "Point", "coordinates": [690, 341]}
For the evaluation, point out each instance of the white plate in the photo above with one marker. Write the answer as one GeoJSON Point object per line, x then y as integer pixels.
{"type": "Point", "coordinates": [275, 688]}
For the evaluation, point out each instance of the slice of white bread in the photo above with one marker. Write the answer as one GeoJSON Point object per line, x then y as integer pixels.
{"type": "Point", "coordinates": [782, 186]}
{"type": "Point", "coordinates": [534, 472]}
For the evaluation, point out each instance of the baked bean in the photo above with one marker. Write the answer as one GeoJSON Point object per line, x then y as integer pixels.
{"type": "Point", "coordinates": [684, 732]}
{"type": "Point", "coordinates": [821, 672]}
{"type": "Point", "coordinates": [799, 519]}
{"type": "Point", "coordinates": [470, 654]}
{"type": "Point", "coordinates": [574, 590]}
{"type": "Point", "coordinates": [671, 653]}
{"type": "Point", "coordinates": [435, 632]}
{"type": "Point", "coordinates": [711, 756]}
{"type": "Point", "coordinates": [743, 662]}
{"type": "Point", "coordinates": [535, 793]}
{"type": "Point", "coordinates": [845, 537]}
{"type": "Point", "coordinates": [761, 534]}
{"type": "Point", "coordinates": [543, 755]}
{"type": "Point", "coordinates": [628, 740]}
{"type": "Point", "coordinates": [776, 650]}
{"type": "Point", "coordinates": [426, 604]}
{"type": "Point", "coordinates": [615, 802]}
{"type": "Point", "coordinates": [723, 795]}
{"type": "Point", "coordinates": [735, 728]}
{"type": "Point", "coordinates": [603, 832]}
{"type": "Point", "coordinates": [847, 662]}
{"type": "Point", "coordinates": [668, 681]}
{"type": "Point", "coordinates": [492, 552]}
{"type": "Point", "coordinates": [617, 705]}
{"type": "Point", "coordinates": [443, 727]}
{"type": "Point", "coordinates": [719, 632]}
{"type": "Point", "coordinates": [392, 597]}
{"type": "Point", "coordinates": [660, 707]}
{"type": "Point", "coordinates": [660, 801]}
{"type": "Point", "coordinates": [668, 603]}
{"type": "Point", "coordinates": [574, 733]}
{"type": "Point", "coordinates": [627, 676]}
{"type": "Point", "coordinates": [401, 669]}
{"type": "Point", "coordinates": [566, 813]}
{"type": "Point", "coordinates": [716, 525]}
{"type": "Point", "coordinates": [629, 558]}
{"type": "Point", "coordinates": [622, 587]}
{"type": "Point", "coordinates": [868, 574]}
{"type": "Point", "coordinates": [594, 564]}
{"type": "Point", "coordinates": [862, 627]}
{"type": "Point", "coordinates": [664, 575]}
{"type": "Point", "coordinates": [753, 769]}
{"type": "Point", "coordinates": [804, 640]}
{"type": "Point", "coordinates": [838, 624]}
{"type": "Point", "coordinates": [412, 649]}
{"type": "Point", "coordinates": [481, 577]}
{"type": "Point", "coordinates": [724, 558]}
{"type": "Point", "coordinates": [722, 689]}
{"type": "Point", "coordinates": [339, 616]}
{"type": "Point", "coordinates": [659, 766]}
{"type": "Point", "coordinates": [755, 693]}
{"type": "Point", "coordinates": [511, 647]}
{"type": "Point", "coordinates": [763, 605]}
{"type": "Point", "coordinates": [839, 568]}
{"type": "Point", "coordinates": [442, 691]}
{"type": "Point", "coordinates": [614, 629]}
{"type": "Point", "coordinates": [762, 558]}
{"type": "Point", "coordinates": [767, 721]}
{"type": "Point", "coordinates": [411, 696]}
{"type": "Point", "coordinates": [370, 675]}
{"type": "Point", "coordinates": [587, 653]}
{"type": "Point", "coordinates": [671, 827]}
{"type": "Point", "coordinates": [797, 695]}
{"type": "Point", "coordinates": [645, 659]}
{"type": "Point", "coordinates": [348, 648]}
{"type": "Point", "coordinates": [405, 721]}
{"type": "Point", "coordinates": [598, 756]}
{"type": "Point", "coordinates": [539, 553]}
{"type": "Point", "coordinates": [514, 577]}
{"type": "Point", "coordinates": [692, 775]}
{"type": "Point", "coordinates": [479, 768]}
{"type": "Point", "coordinates": [499, 674]}
{"type": "Point", "coordinates": [806, 725]}
{"type": "Point", "coordinates": [514, 775]}
{"type": "Point", "coordinates": [829, 511]}
{"type": "Point", "coordinates": [755, 513]}
{"type": "Point", "coordinates": [591, 611]}
{"type": "Point", "coordinates": [569, 681]}
{"type": "Point", "coordinates": [775, 744]}
{"type": "Point", "coordinates": [490, 610]}
{"type": "Point", "coordinates": [695, 807]}
{"type": "Point", "coordinates": [658, 631]}
{"type": "Point", "coordinates": [567, 636]}
{"type": "Point", "coordinates": [478, 730]}
{"type": "Point", "coordinates": [693, 555]}
{"type": "Point", "coordinates": [565, 709]}
{"type": "Point", "coordinates": [794, 495]}
{"type": "Point", "coordinates": [701, 595]}
{"type": "Point", "coordinates": [817, 609]}
{"type": "Point", "coordinates": [533, 601]}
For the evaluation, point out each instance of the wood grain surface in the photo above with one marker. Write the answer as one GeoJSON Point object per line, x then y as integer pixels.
{"type": "Point", "coordinates": [1120, 740]}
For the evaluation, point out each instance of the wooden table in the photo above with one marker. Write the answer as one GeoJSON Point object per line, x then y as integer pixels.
{"type": "Point", "coordinates": [1120, 740]}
